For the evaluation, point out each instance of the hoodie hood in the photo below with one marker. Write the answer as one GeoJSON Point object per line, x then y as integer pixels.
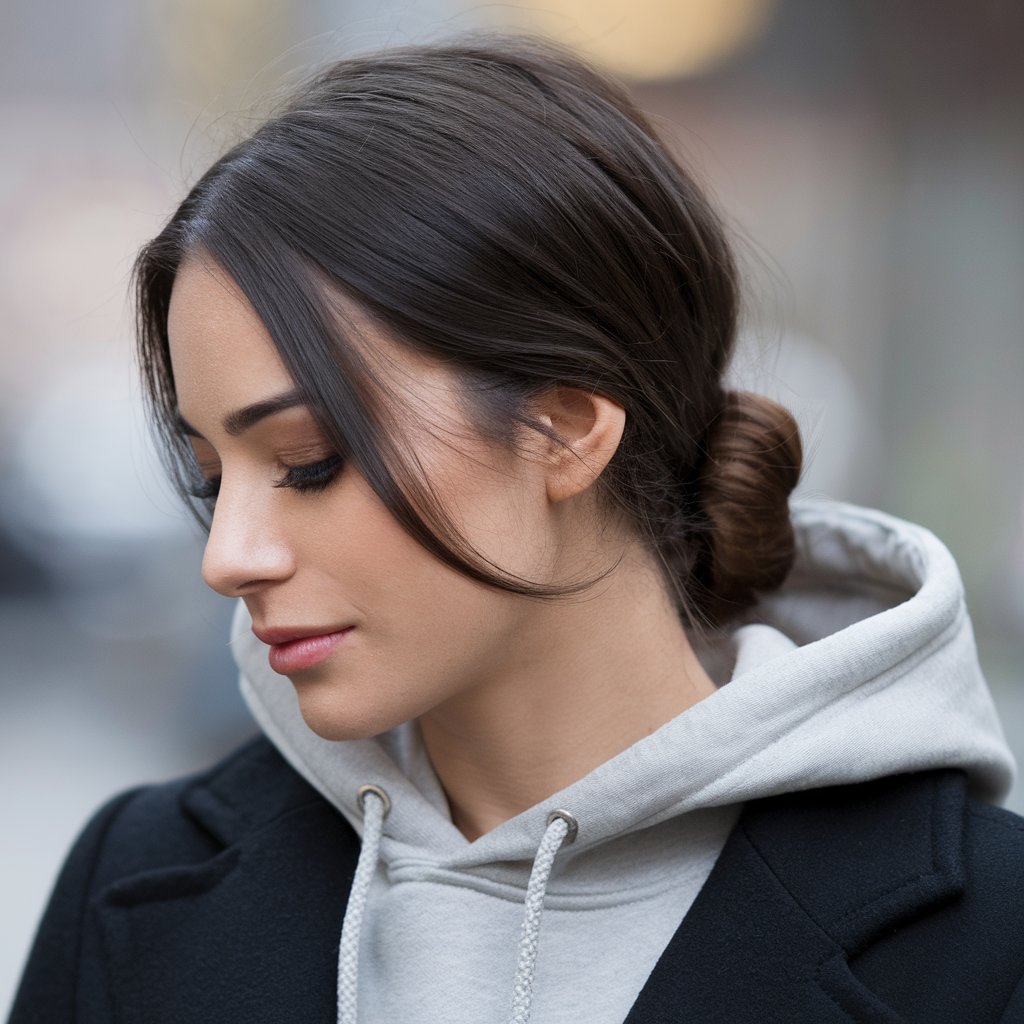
{"type": "Point", "coordinates": [862, 665]}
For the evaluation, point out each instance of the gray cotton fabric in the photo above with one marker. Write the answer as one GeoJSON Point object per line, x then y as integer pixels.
{"type": "Point", "coordinates": [862, 665]}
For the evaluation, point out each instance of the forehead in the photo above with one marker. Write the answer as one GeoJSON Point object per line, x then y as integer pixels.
{"type": "Point", "coordinates": [222, 356]}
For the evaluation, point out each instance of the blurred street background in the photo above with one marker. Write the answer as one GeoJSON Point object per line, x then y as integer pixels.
{"type": "Point", "coordinates": [869, 155]}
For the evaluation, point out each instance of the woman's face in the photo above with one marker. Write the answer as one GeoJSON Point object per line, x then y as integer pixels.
{"type": "Point", "coordinates": [311, 549]}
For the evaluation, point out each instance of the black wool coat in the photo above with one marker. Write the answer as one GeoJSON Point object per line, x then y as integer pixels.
{"type": "Point", "coordinates": [219, 898]}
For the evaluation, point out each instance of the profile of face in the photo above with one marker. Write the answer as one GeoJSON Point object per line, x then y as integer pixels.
{"type": "Point", "coordinates": [311, 549]}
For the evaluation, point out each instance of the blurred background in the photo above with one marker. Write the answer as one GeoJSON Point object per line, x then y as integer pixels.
{"type": "Point", "coordinates": [870, 156]}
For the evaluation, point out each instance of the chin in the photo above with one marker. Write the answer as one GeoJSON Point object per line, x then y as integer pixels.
{"type": "Point", "coordinates": [337, 719]}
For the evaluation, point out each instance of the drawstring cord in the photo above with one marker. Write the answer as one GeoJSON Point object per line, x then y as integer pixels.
{"type": "Point", "coordinates": [374, 803]}
{"type": "Point", "coordinates": [561, 828]}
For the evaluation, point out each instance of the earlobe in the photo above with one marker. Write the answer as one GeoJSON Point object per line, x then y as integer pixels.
{"type": "Point", "coordinates": [591, 425]}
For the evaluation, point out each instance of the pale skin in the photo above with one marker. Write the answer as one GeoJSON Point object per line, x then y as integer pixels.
{"type": "Point", "coordinates": [516, 698]}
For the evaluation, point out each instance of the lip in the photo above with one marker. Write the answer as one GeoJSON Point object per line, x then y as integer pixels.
{"type": "Point", "coordinates": [294, 650]}
{"type": "Point", "coordinates": [286, 634]}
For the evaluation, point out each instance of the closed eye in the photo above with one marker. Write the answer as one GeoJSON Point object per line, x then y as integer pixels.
{"type": "Point", "coordinates": [312, 476]}
{"type": "Point", "coordinates": [309, 477]}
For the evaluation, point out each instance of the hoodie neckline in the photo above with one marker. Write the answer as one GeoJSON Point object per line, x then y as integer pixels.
{"type": "Point", "coordinates": [862, 665]}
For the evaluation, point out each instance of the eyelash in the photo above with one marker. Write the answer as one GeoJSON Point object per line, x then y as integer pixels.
{"type": "Point", "coordinates": [310, 478]}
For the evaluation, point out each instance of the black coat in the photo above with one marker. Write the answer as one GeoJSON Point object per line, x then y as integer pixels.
{"type": "Point", "coordinates": [219, 898]}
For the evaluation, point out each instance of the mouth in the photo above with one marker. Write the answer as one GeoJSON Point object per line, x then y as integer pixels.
{"type": "Point", "coordinates": [294, 650]}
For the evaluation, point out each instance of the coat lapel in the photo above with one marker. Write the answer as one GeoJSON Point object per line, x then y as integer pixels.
{"type": "Point", "coordinates": [244, 936]}
{"type": "Point", "coordinates": [805, 882]}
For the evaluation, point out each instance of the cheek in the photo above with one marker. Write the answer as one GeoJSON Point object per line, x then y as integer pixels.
{"type": "Point", "coordinates": [419, 607]}
{"type": "Point", "coordinates": [427, 633]}
{"type": "Point", "coordinates": [409, 599]}
{"type": "Point", "coordinates": [498, 503]}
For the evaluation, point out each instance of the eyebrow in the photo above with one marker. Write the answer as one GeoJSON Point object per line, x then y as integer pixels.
{"type": "Point", "coordinates": [241, 420]}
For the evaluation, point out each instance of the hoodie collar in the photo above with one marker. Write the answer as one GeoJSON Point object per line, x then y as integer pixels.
{"type": "Point", "coordinates": [862, 666]}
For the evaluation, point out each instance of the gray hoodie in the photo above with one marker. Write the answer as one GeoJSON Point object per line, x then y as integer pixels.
{"type": "Point", "coordinates": [862, 665]}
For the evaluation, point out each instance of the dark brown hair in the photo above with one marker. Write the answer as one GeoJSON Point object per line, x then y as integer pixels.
{"type": "Point", "coordinates": [497, 204]}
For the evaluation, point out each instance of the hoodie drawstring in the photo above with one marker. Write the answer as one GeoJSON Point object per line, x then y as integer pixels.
{"type": "Point", "coordinates": [375, 804]}
{"type": "Point", "coordinates": [561, 828]}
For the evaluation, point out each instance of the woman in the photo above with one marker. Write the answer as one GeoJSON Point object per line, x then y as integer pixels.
{"type": "Point", "coordinates": [584, 722]}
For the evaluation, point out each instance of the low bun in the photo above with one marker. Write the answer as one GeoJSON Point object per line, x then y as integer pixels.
{"type": "Point", "coordinates": [754, 458]}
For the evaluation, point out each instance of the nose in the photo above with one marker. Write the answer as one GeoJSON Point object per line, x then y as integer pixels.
{"type": "Point", "coordinates": [244, 550]}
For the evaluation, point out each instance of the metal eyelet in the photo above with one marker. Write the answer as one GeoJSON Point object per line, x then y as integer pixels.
{"type": "Point", "coordinates": [377, 791]}
{"type": "Point", "coordinates": [574, 827]}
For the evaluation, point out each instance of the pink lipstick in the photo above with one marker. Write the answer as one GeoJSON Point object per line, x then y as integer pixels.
{"type": "Point", "coordinates": [292, 651]}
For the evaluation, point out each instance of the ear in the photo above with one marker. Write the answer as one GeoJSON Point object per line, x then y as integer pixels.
{"type": "Point", "coordinates": [591, 426]}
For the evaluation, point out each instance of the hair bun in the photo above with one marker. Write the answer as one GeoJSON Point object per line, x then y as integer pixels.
{"type": "Point", "coordinates": [753, 463]}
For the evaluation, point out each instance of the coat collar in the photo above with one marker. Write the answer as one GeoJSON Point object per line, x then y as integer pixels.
{"type": "Point", "coordinates": [804, 882]}
{"type": "Point", "coordinates": [245, 935]}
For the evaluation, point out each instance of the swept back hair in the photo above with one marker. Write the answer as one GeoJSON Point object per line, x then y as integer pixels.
{"type": "Point", "coordinates": [497, 204]}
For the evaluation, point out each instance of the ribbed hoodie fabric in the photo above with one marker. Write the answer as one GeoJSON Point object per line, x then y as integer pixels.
{"type": "Point", "coordinates": [862, 665]}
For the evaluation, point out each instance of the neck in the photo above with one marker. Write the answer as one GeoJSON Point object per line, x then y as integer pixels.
{"type": "Point", "coordinates": [583, 682]}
